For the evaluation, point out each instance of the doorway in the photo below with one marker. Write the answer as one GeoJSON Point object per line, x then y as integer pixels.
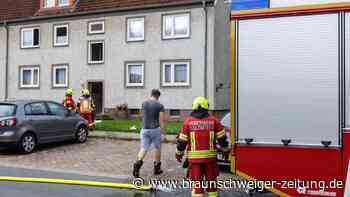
{"type": "Point", "coordinates": [96, 88]}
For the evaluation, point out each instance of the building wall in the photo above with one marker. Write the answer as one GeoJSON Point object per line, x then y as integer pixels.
{"type": "Point", "coordinates": [117, 51]}
{"type": "Point", "coordinates": [222, 57]}
{"type": "Point", "coordinates": [286, 3]}
{"type": "Point", "coordinates": [2, 61]}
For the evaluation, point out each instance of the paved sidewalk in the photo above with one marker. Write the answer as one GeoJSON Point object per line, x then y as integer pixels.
{"type": "Point", "coordinates": [125, 136]}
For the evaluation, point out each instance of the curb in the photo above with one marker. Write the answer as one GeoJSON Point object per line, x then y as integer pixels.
{"type": "Point", "coordinates": [125, 136]}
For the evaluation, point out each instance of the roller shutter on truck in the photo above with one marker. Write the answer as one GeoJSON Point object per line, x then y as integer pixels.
{"type": "Point", "coordinates": [288, 79]}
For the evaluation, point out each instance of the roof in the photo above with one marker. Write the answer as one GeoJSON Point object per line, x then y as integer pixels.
{"type": "Point", "coordinates": [30, 9]}
{"type": "Point", "coordinates": [13, 9]}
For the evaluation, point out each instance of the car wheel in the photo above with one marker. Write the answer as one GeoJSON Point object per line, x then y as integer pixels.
{"type": "Point", "coordinates": [81, 134]}
{"type": "Point", "coordinates": [27, 143]}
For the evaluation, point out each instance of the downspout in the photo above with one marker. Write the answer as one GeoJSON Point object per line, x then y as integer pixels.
{"type": "Point", "coordinates": [6, 61]}
{"type": "Point", "coordinates": [205, 48]}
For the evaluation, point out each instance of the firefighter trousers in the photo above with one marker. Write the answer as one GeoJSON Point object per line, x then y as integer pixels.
{"type": "Point", "coordinates": [203, 178]}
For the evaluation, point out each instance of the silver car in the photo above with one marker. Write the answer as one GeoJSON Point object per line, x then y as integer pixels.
{"type": "Point", "coordinates": [27, 123]}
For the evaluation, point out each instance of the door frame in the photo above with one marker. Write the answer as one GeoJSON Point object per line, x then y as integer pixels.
{"type": "Point", "coordinates": [103, 91]}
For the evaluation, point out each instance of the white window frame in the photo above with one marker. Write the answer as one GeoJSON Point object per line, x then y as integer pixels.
{"type": "Point", "coordinates": [94, 23]}
{"type": "Point", "coordinates": [62, 5]}
{"type": "Point", "coordinates": [55, 35]}
{"type": "Point", "coordinates": [32, 85]}
{"type": "Point", "coordinates": [172, 80]}
{"type": "Point", "coordinates": [46, 5]}
{"type": "Point", "coordinates": [22, 37]}
{"type": "Point", "coordinates": [89, 51]}
{"type": "Point", "coordinates": [173, 16]}
{"type": "Point", "coordinates": [129, 21]}
{"type": "Point", "coordinates": [54, 70]}
{"type": "Point", "coordinates": [128, 84]}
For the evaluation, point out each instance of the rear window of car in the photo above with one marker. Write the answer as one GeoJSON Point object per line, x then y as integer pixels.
{"type": "Point", "coordinates": [7, 110]}
{"type": "Point", "coordinates": [35, 109]}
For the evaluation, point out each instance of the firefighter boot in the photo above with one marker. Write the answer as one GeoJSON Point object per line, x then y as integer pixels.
{"type": "Point", "coordinates": [137, 167]}
{"type": "Point", "coordinates": [157, 169]}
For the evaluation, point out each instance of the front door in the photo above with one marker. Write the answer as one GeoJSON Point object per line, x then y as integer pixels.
{"type": "Point", "coordinates": [96, 89]}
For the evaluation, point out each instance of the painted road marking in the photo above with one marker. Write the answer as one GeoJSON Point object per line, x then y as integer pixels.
{"type": "Point", "coordinates": [77, 182]}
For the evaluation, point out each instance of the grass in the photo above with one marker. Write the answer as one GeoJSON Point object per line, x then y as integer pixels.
{"type": "Point", "coordinates": [127, 126]}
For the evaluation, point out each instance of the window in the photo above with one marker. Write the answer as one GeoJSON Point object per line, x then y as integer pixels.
{"type": "Point", "coordinates": [97, 27]}
{"type": "Point", "coordinates": [56, 109]}
{"type": "Point", "coordinates": [35, 109]}
{"type": "Point", "coordinates": [174, 112]}
{"type": "Point", "coordinates": [49, 3]}
{"type": "Point", "coordinates": [135, 29]}
{"type": "Point", "coordinates": [30, 37]}
{"type": "Point", "coordinates": [176, 26]}
{"type": "Point", "coordinates": [55, 3]}
{"type": "Point", "coordinates": [176, 74]}
{"type": "Point", "coordinates": [29, 77]}
{"type": "Point", "coordinates": [63, 2]}
{"type": "Point", "coordinates": [135, 74]}
{"type": "Point", "coordinates": [96, 52]}
{"type": "Point", "coordinates": [61, 35]}
{"type": "Point", "coordinates": [134, 111]}
{"type": "Point", "coordinates": [60, 76]}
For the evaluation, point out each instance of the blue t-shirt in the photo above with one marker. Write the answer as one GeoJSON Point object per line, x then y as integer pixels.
{"type": "Point", "coordinates": [150, 117]}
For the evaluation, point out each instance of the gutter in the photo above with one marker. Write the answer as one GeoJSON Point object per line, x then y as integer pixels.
{"type": "Point", "coordinates": [6, 61]}
{"type": "Point", "coordinates": [110, 10]}
{"type": "Point", "coordinates": [204, 3]}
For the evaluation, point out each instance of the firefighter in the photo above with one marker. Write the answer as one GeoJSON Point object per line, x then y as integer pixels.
{"type": "Point", "coordinates": [68, 101]}
{"type": "Point", "coordinates": [199, 134]}
{"type": "Point", "coordinates": [86, 107]}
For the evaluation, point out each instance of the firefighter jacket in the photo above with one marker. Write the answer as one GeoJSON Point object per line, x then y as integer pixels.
{"type": "Point", "coordinates": [200, 136]}
{"type": "Point", "coordinates": [85, 104]}
{"type": "Point", "coordinates": [68, 103]}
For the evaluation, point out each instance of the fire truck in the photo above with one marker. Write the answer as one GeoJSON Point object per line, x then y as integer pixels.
{"type": "Point", "coordinates": [290, 94]}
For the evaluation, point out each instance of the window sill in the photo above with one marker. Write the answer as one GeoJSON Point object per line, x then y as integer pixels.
{"type": "Point", "coordinates": [176, 37]}
{"type": "Point", "coordinates": [61, 45]}
{"type": "Point", "coordinates": [97, 62]}
{"type": "Point", "coordinates": [29, 87]}
{"type": "Point", "coordinates": [30, 47]}
{"type": "Point", "coordinates": [59, 86]}
{"type": "Point", "coordinates": [135, 86]}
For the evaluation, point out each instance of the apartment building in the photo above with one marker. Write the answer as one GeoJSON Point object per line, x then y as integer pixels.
{"type": "Point", "coordinates": [119, 49]}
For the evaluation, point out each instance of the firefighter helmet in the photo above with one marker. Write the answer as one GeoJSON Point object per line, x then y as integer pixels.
{"type": "Point", "coordinates": [86, 92]}
{"type": "Point", "coordinates": [69, 92]}
{"type": "Point", "coordinates": [200, 102]}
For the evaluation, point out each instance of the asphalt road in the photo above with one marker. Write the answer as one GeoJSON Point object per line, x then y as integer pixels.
{"type": "Point", "coordinates": [11, 189]}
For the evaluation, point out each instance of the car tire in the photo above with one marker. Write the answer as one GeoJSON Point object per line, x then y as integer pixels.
{"type": "Point", "coordinates": [27, 144]}
{"type": "Point", "coordinates": [82, 134]}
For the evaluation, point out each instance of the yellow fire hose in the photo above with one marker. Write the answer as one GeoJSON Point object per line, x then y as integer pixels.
{"type": "Point", "coordinates": [77, 182]}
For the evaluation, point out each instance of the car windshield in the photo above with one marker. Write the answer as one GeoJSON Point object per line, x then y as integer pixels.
{"type": "Point", "coordinates": [7, 110]}
{"type": "Point", "coordinates": [226, 121]}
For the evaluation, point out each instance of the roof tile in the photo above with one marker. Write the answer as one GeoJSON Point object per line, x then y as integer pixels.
{"type": "Point", "coordinates": [17, 9]}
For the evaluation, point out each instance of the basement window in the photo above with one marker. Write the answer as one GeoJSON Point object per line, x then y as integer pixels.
{"type": "Point", "coordinates": [30, 37]}
{"type": "Point", "coordinates": [174, 112]}
{"type": "Point", "coordinates": [96, 52]}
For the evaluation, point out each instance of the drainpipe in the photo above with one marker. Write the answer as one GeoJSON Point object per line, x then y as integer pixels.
{"type": "Point", "coordinates": [205, 49]}
{"type": "Point", "coordinates": [6, 60]}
